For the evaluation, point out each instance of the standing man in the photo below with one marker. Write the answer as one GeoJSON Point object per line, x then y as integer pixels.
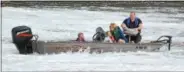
{"type": "Point", "coordinates": [133, 23]}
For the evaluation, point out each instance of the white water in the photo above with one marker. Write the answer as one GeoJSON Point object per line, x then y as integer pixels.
{"type": "Point", "coordinates": [64, 24]}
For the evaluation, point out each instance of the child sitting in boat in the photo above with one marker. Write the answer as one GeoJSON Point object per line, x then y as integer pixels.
{"type": "Point", "coordinates": [110, 38]}
{"type": "Point", "coordinates": [117, 34]}
{"type": "Point", "coordinates": [80, 37]}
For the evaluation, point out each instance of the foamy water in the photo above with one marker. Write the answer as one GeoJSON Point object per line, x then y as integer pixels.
{"type": "Point", "coordinates": [64, 24]}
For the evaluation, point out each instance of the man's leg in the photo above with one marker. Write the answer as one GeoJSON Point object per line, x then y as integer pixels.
{"type": "Point", "coordinates": [130, 38]}
{"type": "Point", "coordinates": [138, 38]}
{"type": "Point", "coordinates": [127, 37]}
{"type": "Point", "coordinates": [121, 41]}
{"type": "Point", "coordinates": [133, 38]}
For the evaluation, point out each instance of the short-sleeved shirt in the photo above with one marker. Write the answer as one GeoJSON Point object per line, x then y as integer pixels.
{"type": "Point", "coordinates": [132, 24]}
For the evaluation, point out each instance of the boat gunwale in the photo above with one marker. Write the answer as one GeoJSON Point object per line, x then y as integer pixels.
{"type": "Point", "coordinates": [75, 42]}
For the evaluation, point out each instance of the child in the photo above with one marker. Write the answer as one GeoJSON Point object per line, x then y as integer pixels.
{"type": "Point", "coordinates": [110, 37]}
{"type": "Point", "coordinates": [117, 33]}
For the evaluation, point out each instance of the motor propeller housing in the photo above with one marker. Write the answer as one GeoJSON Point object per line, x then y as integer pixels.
{"type": "Point", "coordinates": [21, 36]}
{"type": "Point", "coordinates": [100, 35]}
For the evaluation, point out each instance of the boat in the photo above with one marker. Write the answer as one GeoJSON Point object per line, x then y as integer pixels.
{"type": "Point", "coordinates": [23, 39]}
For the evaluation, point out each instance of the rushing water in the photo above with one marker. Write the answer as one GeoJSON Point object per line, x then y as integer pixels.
{"type": "Point", "coordinates": [64, 22]}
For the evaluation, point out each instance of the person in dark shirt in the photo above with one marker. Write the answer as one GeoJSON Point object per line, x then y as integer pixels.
{"type": "Point", "coordinates": [133, 22]}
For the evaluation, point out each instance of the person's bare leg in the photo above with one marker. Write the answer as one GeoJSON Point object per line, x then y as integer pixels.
{"type": "Point", "coordinates": [121, 41]}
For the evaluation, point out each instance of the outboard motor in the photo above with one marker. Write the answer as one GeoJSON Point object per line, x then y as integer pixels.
{"type": "Point", "coordinates": [100, 35]}
{"type": "Point", "coordinates": [21, 36]}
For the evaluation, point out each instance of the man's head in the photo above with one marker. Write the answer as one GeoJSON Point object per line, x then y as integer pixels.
{"type": "Point", "coordinates": [132, 16]}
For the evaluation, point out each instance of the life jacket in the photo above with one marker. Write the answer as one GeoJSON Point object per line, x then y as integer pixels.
{"type": "Point", "coordinates": [129, 22]}
{"type": "Point", "coordinates": [118, 34]}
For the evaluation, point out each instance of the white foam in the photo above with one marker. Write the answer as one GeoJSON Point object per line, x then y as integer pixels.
{"type": "Point", "coordinates": [64, 24]}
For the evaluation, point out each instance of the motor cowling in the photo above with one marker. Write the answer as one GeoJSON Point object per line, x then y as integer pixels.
{"type": "Point", "coordinates": [21, 36]}
{"type": "Point", "coordinates": [100, 35]}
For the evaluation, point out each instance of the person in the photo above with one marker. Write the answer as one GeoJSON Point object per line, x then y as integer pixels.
{"type": "Point", "coordinates": [110, 38]}
{"type": "Point", "coordinates": [117, 33]}
{"type": "Point", "coordinates": [133, 22]}
{"type": "Point", "coordinates": [80, 37]}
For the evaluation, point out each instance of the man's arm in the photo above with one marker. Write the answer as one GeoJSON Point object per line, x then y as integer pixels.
{"type": "Point", "coordinates": [123, 25]}
{"type": "Point", "coordinates": [140, 25]}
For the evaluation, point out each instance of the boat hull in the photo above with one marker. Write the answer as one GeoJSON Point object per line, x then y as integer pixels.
{"type": "Point", "coordinates": [91, 47]}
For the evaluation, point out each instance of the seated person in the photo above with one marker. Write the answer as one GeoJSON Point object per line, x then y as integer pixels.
{"type": "Point", "coordinates": [117, 33]}
{"type": "Point", "coordinates": [80, 37]}
{"type": "Point", "coordinates": [135, 23]}
{"type": "Point", "coordinates": [110, 38]}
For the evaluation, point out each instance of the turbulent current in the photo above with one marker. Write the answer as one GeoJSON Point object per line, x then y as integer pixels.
{"type": "Point", "coordinates": [63, 23]}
